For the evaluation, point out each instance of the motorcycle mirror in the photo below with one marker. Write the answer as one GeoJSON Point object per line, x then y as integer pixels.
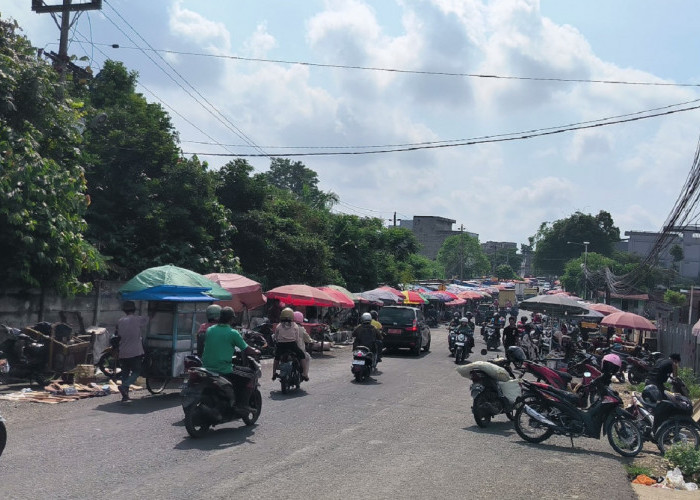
{"type": "Point", "coordinates": [586, 374]}
{"type": "Point", "coordinates": [484, 352]}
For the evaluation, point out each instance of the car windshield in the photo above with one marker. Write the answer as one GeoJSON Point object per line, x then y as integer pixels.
{"type": "Point", "coordinates": [396, 316]}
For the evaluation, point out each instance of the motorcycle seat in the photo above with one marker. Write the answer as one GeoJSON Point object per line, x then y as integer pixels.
{"type": "Point", "coordinates": [568, 396]}
{"type": "Point", "coordinates": [566, 376]}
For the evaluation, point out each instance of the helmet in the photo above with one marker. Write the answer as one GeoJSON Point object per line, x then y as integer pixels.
{"type": "Point", "coordinates": [226, 315]}
{"type": "Point", "coordinates": [298, 317]}
{"type": "Point", "coordinates": [366, 318]}
{"type": "Point", "coordinates": [128, 306]}
{"type": "Point", "coordinates": [651, 394]}
{"type": "Point", "coordinates": [287, 314]}
{"type": "Point", "coordinates": [464, 320]}
{"type": "Point", "coordinates": [456, 315]}
{"type": "Point", "coordinates": [515, 354]}
{"type": "Point", "coordinates": [213, 312]}
{"type": "Point", "coordinates": [611, 364]}
{"type": "Point", "coordinates": [374, 314]}
{"type": "Point", "coordinates": [469, 315]}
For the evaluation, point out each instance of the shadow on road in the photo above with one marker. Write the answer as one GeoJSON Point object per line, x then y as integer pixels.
{"type": "Point", "coordinates": [576, 450]}
{"type": "Point", "coordinates": [219, 438]}
{"type": "Point", "coordinates": [294, 393]}
{"type": "Point", "coordinates": [145, 404]}
{"type": "Point", "coordinates": [504, 428]}
{"type": "Point", "coordinates": [404, 353]}
{"type": "Point", "coordinates": [368, 381]}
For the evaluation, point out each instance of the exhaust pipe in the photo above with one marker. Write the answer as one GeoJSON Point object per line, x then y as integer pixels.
{"type": "Point", "coordinates": [539, 417]}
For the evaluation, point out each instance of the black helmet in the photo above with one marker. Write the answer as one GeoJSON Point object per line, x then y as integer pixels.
{"type": "Point", "coordinates": [456, 315]}
{"type": "Point", "coordinates": [226, 316]}
{"type": "Point", "coordinates": [651, 394]}
{"type": "Point", "coordinates": [469, 315]}
{"type": "Point", "coordinates": [128, 306]}
{"type": "Point", "coordinates": [374, 314]}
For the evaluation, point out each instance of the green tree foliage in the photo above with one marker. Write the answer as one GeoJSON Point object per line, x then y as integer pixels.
{"type": "Point", "coordinates": [462, 255]}
{"type": "Point", "coordinates": [676, 299]}
{"type": "Point", "coordinates": [300, 180]}
{"type": "Point", "coordinates": [507, 256]}
{"type": "Point", "coordinates": [41, 175]}
{"type": "Point", "coordinates": [552, 249]}
{"type": "Point", "coordinates": [505, 272]}
{"type": "Point", "coordinates": [149, 205]}
{"type": "Point", "coordinates": [573, 278]}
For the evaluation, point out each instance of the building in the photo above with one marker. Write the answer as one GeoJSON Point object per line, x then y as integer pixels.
{"type": "Point", "coordinates": [687, 237]}
{"type": "Point", "coordinates": [431, 232]}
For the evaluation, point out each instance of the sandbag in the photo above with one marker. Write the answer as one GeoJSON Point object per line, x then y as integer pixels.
{"type": "Point", "coordinates": [494, 371]}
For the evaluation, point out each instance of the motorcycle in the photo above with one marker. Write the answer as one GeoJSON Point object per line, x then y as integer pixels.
{"type": "Point", "coordinates": [665, 418]}
{"type": "Point", "coordinates": [463, 346]}
{"type": "Point", "coordinates": [451, 339]}
{"type": "Point", "coordinates": [553, 411]}
{"type": "Point", "coordinates": [493, 390]}
{"type": "Point", "coordinates": [639, 368]}
{"type": "Point", "coordinates": [207, 397]}
{"type": "Point", "coordinates": [289, 372]}
{"type": "Point", "coordinates": [3, 434]}
{"type": "Point", "coordinates": [22, 358]}
{"type": "Point", "coordinates": [364, 363]}
{"type": "Point", "coordinates": [493, 338]}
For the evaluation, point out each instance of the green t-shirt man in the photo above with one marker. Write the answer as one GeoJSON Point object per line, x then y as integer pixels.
{"type": "Point", "coordinates": [219, 345]}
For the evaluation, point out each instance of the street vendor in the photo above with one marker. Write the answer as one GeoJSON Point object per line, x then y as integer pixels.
{"type": "Point", "coordinates": [129, 330]}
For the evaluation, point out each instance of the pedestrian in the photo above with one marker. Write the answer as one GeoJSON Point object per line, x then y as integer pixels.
{"type": "Point", "coordinates": [129, 330]}
{"type": "Point", "coordinates": [510, 334]}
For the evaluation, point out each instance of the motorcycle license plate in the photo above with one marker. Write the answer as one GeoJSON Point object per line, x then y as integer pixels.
{"type": "Point", "coordinates": [459, 344]}
{"type": "Point", "coordinates": [394, 330]}
{"type": "Point", "coordinates": [358, 361]}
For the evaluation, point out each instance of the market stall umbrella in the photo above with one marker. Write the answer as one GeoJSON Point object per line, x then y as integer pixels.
{"type": "Point", "coordinates": [172, 282]}
{"type": "Point", "coordinates": [411, 297]}
{"type": "Point", "coordinates": [603, 308]}
{"type": "Point", "coordinates": [366, 299]}
{"type": "Point", "coordinates": [343, 301]}
{"type": "Point", "coordinates": [624, 319]}
{"type": "Point", "coordinates": [301, 295]}
{"type": "Point", "coordinates": [344, 291]}
{"type": "Point", "coordinates": [383, 295]}
{"type": "Point", "coordinates": [456, 302]}
{"type": "Point", "coordinates": [396, 292]}
{"type": "Point", "coordinates": [552, 304]}
{"type": "Point", "coordinates": [696, 328]}
{"type": "Point", "coordinates": [247, 294]}
{"type": "Point", "coordinates": [469, 295]}
{"type": "Point", "coordinates": [590, 315]}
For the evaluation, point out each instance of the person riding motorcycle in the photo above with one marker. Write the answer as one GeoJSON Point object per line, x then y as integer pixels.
{"type": "Point", "coordinates": [380, 336]}
{"type": "Point", "coordinates": [366, 334]}
{"type": "Point", "coordinates": [287, 337]}
{"type": "Point", "coordinates": [213, 313]}
{"type": "Point", "coordinates": [455, 321]}
{"type": "Point", "coordinates": [219, 347]}
{"type": "Point", "coordinates": [470, 321]}
{"type": "Point", "coordinates": [304, 339]}
{"type": "Point", "coordinates": [466, 327]}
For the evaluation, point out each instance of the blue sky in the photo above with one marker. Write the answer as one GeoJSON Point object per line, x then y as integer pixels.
{"type": "Point", "coordinates": [549, 49]}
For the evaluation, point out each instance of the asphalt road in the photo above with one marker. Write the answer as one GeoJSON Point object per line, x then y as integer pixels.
{"type": "Point", "coordinates": [408, 433]}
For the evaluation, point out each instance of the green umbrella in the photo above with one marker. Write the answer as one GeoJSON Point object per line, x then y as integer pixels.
{"type": "Point", "coordinates": [175, 277]}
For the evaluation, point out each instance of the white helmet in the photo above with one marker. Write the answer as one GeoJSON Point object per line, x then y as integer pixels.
{"type": "Point", "coordinates": [366, 318]}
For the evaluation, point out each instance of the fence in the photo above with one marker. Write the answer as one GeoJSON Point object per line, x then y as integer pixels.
{"type": "Point", "coordinates": [677, 337]}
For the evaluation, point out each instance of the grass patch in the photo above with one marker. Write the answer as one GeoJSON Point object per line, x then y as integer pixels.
{"type": "Point", "coordinates": [687, 375]}
{"type": "Point", "coordinates": [635, 470]}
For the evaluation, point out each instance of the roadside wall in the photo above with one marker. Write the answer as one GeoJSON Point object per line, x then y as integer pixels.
{"type": "Point", "coordinates": [678, 337]}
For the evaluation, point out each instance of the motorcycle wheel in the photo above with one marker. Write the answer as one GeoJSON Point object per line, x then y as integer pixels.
{"type": "Point", "coordinates": [358, 377]}
{"type": "Point", "coordinates": [677, 431]}
{"type": "Point", "coordinates": [109, 365]}
{"type": "Point", "coordinates": [458, 355]}
{"type": "Point", "coordinates": [635, 376]}
{"type": "Point", "coordinates": [3, 437]}
{"type": "Point", "coordinates": [624, 436]}
{"type": "Point", "coordinates": [156, 385]}
{"type": "Point", "coordinates": [527, 427]}
{"type": "Point", "coordinates": [255, 403]}
{"type": "Point", "coordinates": [193, 419]}
{"type": "Point", "coordinates": [481, 414]}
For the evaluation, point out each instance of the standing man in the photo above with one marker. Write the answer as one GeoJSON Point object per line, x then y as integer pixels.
{"type": "Point", "coordinates": [510, 334]}
{"type": "Point", "coordinates": [129, 330]}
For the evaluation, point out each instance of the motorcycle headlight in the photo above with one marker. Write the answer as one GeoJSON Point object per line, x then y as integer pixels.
{"type": "Point", "coordinates": [460, 337]}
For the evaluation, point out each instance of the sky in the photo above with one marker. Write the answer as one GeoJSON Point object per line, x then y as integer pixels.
{"type": "Point", "coordinates": [497, 114]}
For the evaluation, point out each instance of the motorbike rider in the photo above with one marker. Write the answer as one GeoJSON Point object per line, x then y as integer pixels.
{"type": "Point", "coordinates": [213, 313]}
{"type": "Point", "coordinates": [466, 327]}
{"type": "Point", "coordinates": [287, 336]}
{"type": "Point", "coordinates": [220, 342]}
{"type": "Point", "coordinates": [380, 336]}
{"type": "Point", "coordinates": [455, 322]}
{"type": "Point", "coordinates": [471, 323]}
{"type": "Point", "coordinates": [366, 334]}
{"type": "Point", "coordinates": [304, 339]}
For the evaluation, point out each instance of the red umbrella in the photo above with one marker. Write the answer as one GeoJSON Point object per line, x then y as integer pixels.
{"type": "Point", "coordinates": [342, 299]}
{"type": "Point", "coordinates": [245, 293]}
{"type": "Point", "coordinates": [302, 295]}
{"type": "Point", "coordinates": [603, 308]}
{"type": "Point", "coordinates": [392, 290]}
{"type": "Point", "coordinates": [469, 295]}
{"type": "Point", "coordinates": [623, 319]}
{"type": "Point", "coordinates": [411, 297]}
{"type": "Point", "coordinates": [456, 302]}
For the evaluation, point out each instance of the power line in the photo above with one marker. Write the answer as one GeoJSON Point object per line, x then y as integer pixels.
{"type": "Point", "coordinates": [471, 142]}
{"type": "Point", "coordinates": [414, 72]}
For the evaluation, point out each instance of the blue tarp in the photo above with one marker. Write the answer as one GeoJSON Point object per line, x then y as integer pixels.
{"type": "Point", "coordinates": [171, 293]}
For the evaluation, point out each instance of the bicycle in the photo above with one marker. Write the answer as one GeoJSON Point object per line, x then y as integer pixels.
{"type": "Point", "coordinates": [153, 366]}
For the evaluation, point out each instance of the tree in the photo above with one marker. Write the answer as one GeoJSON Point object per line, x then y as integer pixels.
{"type": "Point", "coordinates": [41, 175]}
{"type": "Point", "coordinates": [677, 255]}
{"type": "Point", "coordinates": [462, 256]}
{"type": "Point", "coordinates": [573, 278]}
{"type": "Point", "coordinates": [505, 272]}
{"type": "Point", "coordinates": [552, 247]}
{"type": "Point", "coordinates": [676, 299]}
{"type": "Point", "coordinates": [300, 180]}
{"type": "Point", "coordinates": [507, 256]}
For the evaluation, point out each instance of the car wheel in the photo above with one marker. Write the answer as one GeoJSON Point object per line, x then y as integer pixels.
{"type": "Point", "coordinates": [416, 350]}
{"type": "Point", "coordinates": [426, 348]}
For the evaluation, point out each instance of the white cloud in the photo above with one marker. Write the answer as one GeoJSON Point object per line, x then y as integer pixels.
{"type": "Point", "coordinates": [209, 34]}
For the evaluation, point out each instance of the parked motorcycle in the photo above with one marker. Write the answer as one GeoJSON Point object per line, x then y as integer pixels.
{"type": "Point", "coordinates": [364, 363]}
{"type": "Point", "coordinates": [493, 390]}
{"type": "Point", "coordinates": [463, 346]}
{"type": "Point", "coordinates": [665, 418]}
{"type": "Point", "coordinates": [553, 411]}
{"type": "Point", "coordinates": [208, 399]}
{"type": "Point", "coordinates": [22, 358]}
{"type": "Point", "coordinates": [289, 372]}
{"type": "Point", "coordinates": [639, 368]}
{"type": "Point", "coordinates": [3, 434]}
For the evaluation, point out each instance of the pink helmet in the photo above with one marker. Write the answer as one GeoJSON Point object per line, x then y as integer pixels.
{"type": "Point", "coordinates": [298, 317]}
{"type": "Point", "coordinates": [611, 363]}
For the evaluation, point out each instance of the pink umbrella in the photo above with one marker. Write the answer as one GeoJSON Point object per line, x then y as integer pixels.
{"type": "Point", "coordinates": [342, 299]}
{"type": "Point", "coordinates": [301, 295]}
{"type": "Point", "coordinates": [603, 308]}
{"type": "Point", "coordinates": [623, 319]}
{"type": "Point", "coordinates": [456, 302]}
{"type": "Point", "coordinates": [392, 290]}
{"type": "Point", "coordinates": [696, 328]}
{"type": "Point", "coordinates": [469, 295]}
{"type": "Point", "coordinates": [246, 293]}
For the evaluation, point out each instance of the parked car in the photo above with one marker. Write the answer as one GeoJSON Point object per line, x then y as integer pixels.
{"type": "Point", "coordinates": [404, 327]}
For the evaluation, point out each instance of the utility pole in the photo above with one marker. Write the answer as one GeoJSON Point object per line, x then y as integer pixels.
{"type": "Point", "coordinates": [461, 252]}
{"type": "Point", "coordinates": [65, 8]}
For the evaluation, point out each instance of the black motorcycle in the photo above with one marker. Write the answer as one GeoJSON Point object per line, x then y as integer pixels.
{"type": "Point", "coordinates": [451, 339]}
{"type": "Point", "coordinates": [553, 411]}
{"type": "Point", "coordinates": [493, 391]}
{"type": "Point", "coordinates": [208, 399]}
{"type": "Point", "coordinates": [364, 363]}
{"type": "Point", "coordinates": [493, 338]}
{"type": "Point", "coordinates": [463, 346]}
{"type": "Point", "coordinates": [289, 372]}
{"type": "Point", "coordinates": [21, 357]}
{"type": "Point", "coordinates": [665, 418]}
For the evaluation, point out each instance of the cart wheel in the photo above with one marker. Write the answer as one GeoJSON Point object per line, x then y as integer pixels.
{"type": "Point", "coordinates": [109, 365]}
{"type": "Point", "coordinates": [156, 385]}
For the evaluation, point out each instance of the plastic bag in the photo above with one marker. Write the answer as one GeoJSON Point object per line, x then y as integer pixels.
{"type": "Point", "coordinates": [674, 479]}
{"type": "Point", "coordinates": [644, 479]}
